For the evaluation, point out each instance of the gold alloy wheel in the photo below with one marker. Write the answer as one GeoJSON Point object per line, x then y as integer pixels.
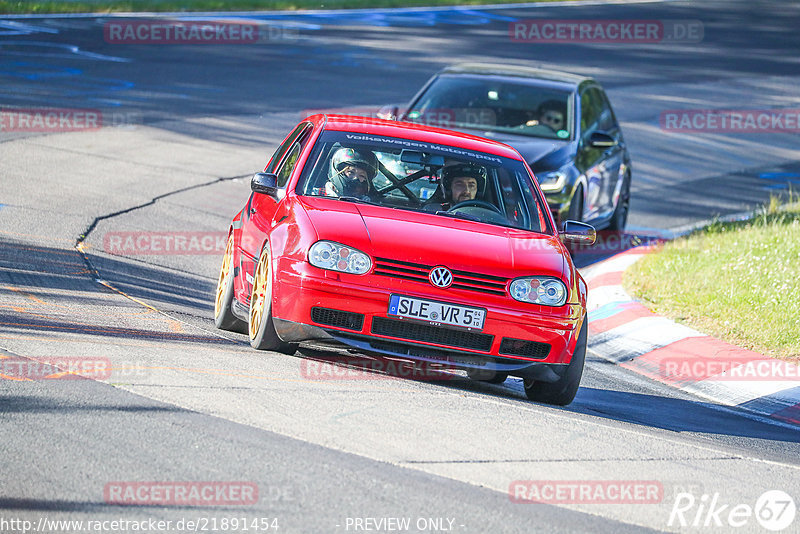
{"type": "Point", "coordinates": [224, 274]}
{"type": "Point", "coordinates": [258, 296]}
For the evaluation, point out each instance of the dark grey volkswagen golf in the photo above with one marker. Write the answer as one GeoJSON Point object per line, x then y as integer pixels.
{"type": "Point", "coordinates": [562, 123]}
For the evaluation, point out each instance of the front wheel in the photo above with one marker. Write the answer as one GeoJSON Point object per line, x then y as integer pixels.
{"type": "Point", "coordinates": [564, 390]}
{"type": "Point", "coordinates": [260, 325]}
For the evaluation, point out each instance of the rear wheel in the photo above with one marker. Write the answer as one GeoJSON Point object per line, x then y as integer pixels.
{"type": "Point", "coordinates": [223, 316]}
{"type": "Point", "coordinates": [564, 390]}
{"type": "Point", "coordinates": [260, 326]}
{"type": "Point", "coordinates": [484, 375]}
{"type": "Point", "coordinates": [620, 217]}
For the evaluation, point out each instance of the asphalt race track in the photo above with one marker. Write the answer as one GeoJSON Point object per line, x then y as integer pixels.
{"type": "Point", "coordinates": [184, 128]}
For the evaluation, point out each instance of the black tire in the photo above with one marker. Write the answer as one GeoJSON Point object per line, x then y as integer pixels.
{"type": "Point", "coordinates": [562, 392]}
{"type": "Point", "coordinates": [224, 319]}
{"type": "Point", "coordinates": [620, 217]}
{"type": "Point", "coordinates": [261, 329]}
{"type": "Point", "coordinates": [484, 375]}
{"type": "Point", "coordinates": [575, 212]}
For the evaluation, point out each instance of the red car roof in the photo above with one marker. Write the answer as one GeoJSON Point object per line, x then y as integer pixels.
{"type": "Point", "coordinates": [415, 132]}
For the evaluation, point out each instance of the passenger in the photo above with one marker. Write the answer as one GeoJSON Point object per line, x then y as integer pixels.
{"type": "Point", "coordinates": [351, 173]}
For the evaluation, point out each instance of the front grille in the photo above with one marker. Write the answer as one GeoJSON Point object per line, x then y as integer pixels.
{"type": "Point", "coordinates": [485, 283]}
{"type": "Point", "coordinates": [337, 318]}
{"type": "Point", "coordinates": [527, 349]}
{"type": "Point", "coordinates": [431, 334]}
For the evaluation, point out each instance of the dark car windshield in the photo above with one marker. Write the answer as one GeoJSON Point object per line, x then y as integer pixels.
{"type": "Point", "coordinates": [413, 175]}
{"type": "Point", "coordinates": [495, 105]}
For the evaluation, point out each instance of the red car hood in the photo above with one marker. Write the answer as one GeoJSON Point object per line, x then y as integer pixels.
{"type": "Point", "coordinates": [436, 240]}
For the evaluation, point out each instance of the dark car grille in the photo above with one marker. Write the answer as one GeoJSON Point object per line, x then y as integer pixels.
{"type": "Point", "coordinates": [521, 347]}
{"type": "Point", "coordinates": [337, 318]}
{"type": "Point", "coordinates": [485, 283]}
{"type": "Point", "coordinates": [431, 334]}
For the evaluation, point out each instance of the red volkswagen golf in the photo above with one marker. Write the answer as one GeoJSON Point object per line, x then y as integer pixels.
{"type": "Point", "coordinates": [412, 242]}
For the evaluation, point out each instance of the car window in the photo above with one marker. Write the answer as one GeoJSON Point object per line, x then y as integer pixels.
{"type": "Point", "coordinates": [425, 178]}
{"type": "Point", "coordinates": [494, 105]}
{"type": "Point", "coordinates": [591, 110]}
{"type": "Point", "coordinates": [288, 164]}
{"type": "Point", "coordinates": [278, 156]}
{"type": "Point", "coordinates": [607, 121]}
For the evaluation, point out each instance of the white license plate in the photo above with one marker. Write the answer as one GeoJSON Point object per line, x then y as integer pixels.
{"type": "Point", "coordinates": [438, 313]}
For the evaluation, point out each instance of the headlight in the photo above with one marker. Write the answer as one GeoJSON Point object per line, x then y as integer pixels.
{"type": "Point", "coordinates": [539, 290]}
{"type": "Point", "coordinates": [552, 181]}
{"type": "Point", "coordinates": [337, 257]}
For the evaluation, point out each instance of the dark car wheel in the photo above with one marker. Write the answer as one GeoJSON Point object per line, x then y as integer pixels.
{"type": "Point", "coordinates": [223, 316]}
{"type": "Point", "coordinates": [260, 326]}
{"type": "Point", "coordinates": [563, 391]}
{"type": "Point", "coordinates": [575, 212]}
{"type": "Point", "coordinates": [483, 375]}
{"type": "Point", "coordinates": [620, 217]}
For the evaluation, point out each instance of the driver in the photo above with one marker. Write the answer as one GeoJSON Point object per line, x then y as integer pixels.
{"type": "Point", "coordinates": [351, 174]}
{"type": "Point", "coordinates": [463, 182]}
{"type": "Point", "coordinates": [552, 113]}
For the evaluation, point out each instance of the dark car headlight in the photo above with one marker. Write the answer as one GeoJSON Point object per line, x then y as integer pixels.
{"type": "Point", "coordinates": [337, 257]}
{"type": "Point", "coordinates": [539, 290]}
{"type": "Point", "coordinates": [552, 181]}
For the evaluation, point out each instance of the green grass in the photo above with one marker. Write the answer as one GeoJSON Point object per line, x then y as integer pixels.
{"type": "Point", "coordinates": [739, 282]}
{"type": "Point", "coordinates": [103, 6]}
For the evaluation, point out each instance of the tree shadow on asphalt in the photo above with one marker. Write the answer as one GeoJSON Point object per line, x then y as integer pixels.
{"type": "Point", "coordinates": [48, 289]}
{"type": "Point", "coordinates": [654, 411]}
{"type": "Point", "coordinates": [60, 269]}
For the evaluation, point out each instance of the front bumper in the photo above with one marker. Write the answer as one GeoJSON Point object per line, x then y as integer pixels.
{"type": "Point", "coordinates": [303, 287]}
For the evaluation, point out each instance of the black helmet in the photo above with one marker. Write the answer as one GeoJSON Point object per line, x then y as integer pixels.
{"type": "Point", "coordinates": [355, 157]}
{"type": "Point", "coordinates": [464, 169]}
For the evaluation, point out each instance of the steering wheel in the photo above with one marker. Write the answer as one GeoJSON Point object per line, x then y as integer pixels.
{"type": "Point", "coordinates": [476, 204]}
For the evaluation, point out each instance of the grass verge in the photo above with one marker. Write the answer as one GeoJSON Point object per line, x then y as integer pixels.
{"type": "Point", "coordinates": [124, 6]}
{"type": "Point", "coordinates": [739, 282]}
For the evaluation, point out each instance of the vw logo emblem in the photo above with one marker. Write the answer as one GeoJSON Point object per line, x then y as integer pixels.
{"type": "Point", "coordinates": [441, 277]}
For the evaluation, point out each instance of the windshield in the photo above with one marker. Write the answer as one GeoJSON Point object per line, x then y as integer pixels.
{"type": "Point", "coordinates": [495, 105]}
{"type": "Point", "coordinates": [411, 175]}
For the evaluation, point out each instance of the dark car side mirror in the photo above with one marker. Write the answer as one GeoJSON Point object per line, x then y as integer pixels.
{"type": "Point", "coordinates": [601, 140]}
{"type": "Point", "coordinates": [389, 112]}
{"type": "Point", "coordinates": [578, 232]}
{"type": "Point", "coordinates": [265, 183]}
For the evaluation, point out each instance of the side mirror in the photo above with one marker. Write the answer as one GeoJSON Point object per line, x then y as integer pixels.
{"type": "Point", "coordinates": [601, 140]}
{"type": "Point", "coordinates": [389, 112]}
{"type": "Point", "coordinates": [578, 232]}
{"type": "Point", "coordinates": [265, 183]}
